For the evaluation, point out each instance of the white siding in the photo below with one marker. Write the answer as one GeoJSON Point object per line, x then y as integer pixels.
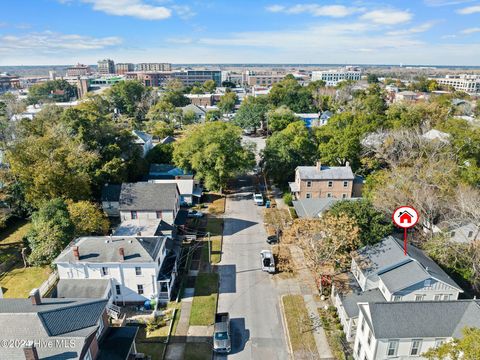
{"type": "Point", "coordinates": [167, 215]}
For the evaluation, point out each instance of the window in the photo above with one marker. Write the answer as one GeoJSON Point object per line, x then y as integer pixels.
{"type": "Point", "coordinates": [446, 297]}
{"type": "Point", "coordinates": [345, 184]}
{"type": "Point", "coordinates": [439, 342]}
{"type": "Point", "coordinates": [330, 184]}
{"type": "Point", "coordinates": [309, 184]}
{"type": "Point", "coordinates": [397, 298]}
{"type": "Point", "coordinates": [308, 195]}
{"type": "Point", "coordinates": [369, 337]}
{"type": "Point", "coordinates": [104, 270]}
{"type": "Point", "coordinates": [452, 234]}
{"type": "Point", "coordinates": [392, 348]}
{"type": "Point", "coordinates": [140, 289]}
{"type": "Point", "coordinates": [359, 349]}
{"type": "Point", "coordinates": [470, 233]}
{"type": "Point", "coordinates": [159, 214]}
{"type": "Point", "coordinates": [362, 327]}
{"type": "Point", "coordinates": [117, 290]}
{"type": "Point", "coordinates": [415, 350]}
{"type": "Point", "coordinates": [366, 357]}
{"type": "Point", "coordinates": [344, 196]}
{"type": "Point", "coordinates": [133, 215]}
{"type": "Point", "coordinates": [437, 297]}
{"type": "Point", "coordinates": [138, 270]}
{"type": "Point", "coordinates": [329, 195]}
{"type": "Point", "coordinates": [419, 297]}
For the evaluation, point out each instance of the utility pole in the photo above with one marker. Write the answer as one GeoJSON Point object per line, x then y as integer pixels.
{"type": "Point", "coordinates": [209, 253]}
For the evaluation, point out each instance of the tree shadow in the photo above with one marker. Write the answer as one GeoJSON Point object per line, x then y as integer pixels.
{"type": "Point", "coordinates": [233, 226]}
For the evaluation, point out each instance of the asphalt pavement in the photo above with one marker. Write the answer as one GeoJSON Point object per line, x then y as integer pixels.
{"type": "Point", "coordinates": [246, 292]}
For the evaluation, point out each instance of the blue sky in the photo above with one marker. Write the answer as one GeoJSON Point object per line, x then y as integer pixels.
{"type": "Point", "coordinates": [443, 32]}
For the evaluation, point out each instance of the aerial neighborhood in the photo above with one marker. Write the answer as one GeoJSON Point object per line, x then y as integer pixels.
{"type": "Point", "coordinates": [239, 210]}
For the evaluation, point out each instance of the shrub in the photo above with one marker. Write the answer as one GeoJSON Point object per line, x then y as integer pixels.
{"type": "Point", "coordinates": [288, 198]}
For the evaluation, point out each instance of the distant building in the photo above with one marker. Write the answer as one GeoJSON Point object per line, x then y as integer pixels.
{"type": "Point", "coordinates": [323, 182]}
{"type": "Point", "coordinates": [232, 77]}
{"type": "Point", "coordinates": [187, 77]}
{"type": "Point", "coordinates": [201, 99]}
{"type": "Point", "coordinates": [8, 82]}
{"type": "Point", "coordinates": [333, 77]}
{"type": "Point", "coordinates": [123, 68]}
{"type": "Point", "coordinates": [467, 83]}
{"type": "Point", "coordinates": [154, 67]}
{"type": "Point", "coordinates": [106, 66]}
{"type": "Point", "coordinates": [78, 70]}
{"type": "Point", "coordinates": [252, 78]}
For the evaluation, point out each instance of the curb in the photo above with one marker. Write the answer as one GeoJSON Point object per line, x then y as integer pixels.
{"type": "Point", "coordinates": [285, 327]}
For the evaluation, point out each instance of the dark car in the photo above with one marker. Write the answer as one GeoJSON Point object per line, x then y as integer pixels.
{"type": "Point", "coordinates": [272, 239]}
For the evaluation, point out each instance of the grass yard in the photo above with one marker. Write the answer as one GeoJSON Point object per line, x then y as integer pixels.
{"type": "Point", "coordinates": [204, 303]}
{"type": "Point", "coordinates": [17, 283]}
{"type": "Point", "coordinates": [215, 227]}
{"type": "Point", "coordinates": [14, 233]}
{"type": "Point", "coordinates": [215, 202]}
{"type": "Point", "coordinates": [198, 351]}
{"type": "Point", "coordinates": [300, 327]}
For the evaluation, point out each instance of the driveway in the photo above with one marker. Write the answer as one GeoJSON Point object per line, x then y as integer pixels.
{"type": "Point", "coordinates": [247, 293]}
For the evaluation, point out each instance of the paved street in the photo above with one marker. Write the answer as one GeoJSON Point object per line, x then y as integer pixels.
{"type": "Point", "coordinates": [247, 293]}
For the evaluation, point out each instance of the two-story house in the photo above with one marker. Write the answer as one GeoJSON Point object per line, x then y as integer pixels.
{"type": "Point", "coordinates": [383, 272]}
{"type": "Point", "coordinates": [323, 182]}
{"type": "Point", "coordinates": [406, 330]}
{"type": "Point", "coordinates": [46, 328]}
{"type": "Point", "coordinates": [139, 268]}
{"type": "Point", "coordinates": [190, 189]}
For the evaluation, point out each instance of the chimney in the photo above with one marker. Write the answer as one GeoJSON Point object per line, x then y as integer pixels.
{"type": "Point", "coordinates": [319, 165]}
{"type": "Point", "coordinates": [30, 352]}
{"type": "Point", "coordinates": [76, 253]}
{"type": "Point", "coordinates": [35, 297]}
{"type": "Point", "coordinates": [121, 252]}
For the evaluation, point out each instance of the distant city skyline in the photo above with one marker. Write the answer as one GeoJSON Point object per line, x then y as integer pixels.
{"type": "Point", "coordinates": [58, 32]}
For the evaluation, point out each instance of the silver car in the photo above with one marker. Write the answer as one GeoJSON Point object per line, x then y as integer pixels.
{"type": "Point", "coordinates": [221, 334]}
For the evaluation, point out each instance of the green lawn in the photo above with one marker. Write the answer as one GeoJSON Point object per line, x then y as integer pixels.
{"type": "Point", "coordinates": [198, 351]}
{"type": "Point", "coordinates": [204, 303]}
{"type": "Point", "coordinates": [215, 227]}
{"type": "Point", "coordinates": [18, 283]}
{"type": "Point", "coordinates": [300, 326]}
{"type": "Point", "coordinates": [216, 203]}
{"type": "Point", "coordinates": [153, 349]}
{"type": "Point", "coordinates": [14, 233]}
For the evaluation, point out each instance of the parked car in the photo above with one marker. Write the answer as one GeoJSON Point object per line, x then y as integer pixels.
{"type": "Point", "coordinates": [272, 239]}
{"type": "Point", "coordinates": [194, 214]}
{"type": "Point", "coordinates": [258, 198]}
{"type": "Point", "coordinates": [222, 342]}
{"type": "Point", "coordinates": [268, 262]}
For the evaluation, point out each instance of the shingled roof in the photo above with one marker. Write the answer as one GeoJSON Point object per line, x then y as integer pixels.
{"type": "Point", "coordinates": [325, 173]}
{"type": "Point", "coordinates": [145, 196]}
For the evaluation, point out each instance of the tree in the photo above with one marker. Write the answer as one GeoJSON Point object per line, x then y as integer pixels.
{"type": "Point", "coordinates": [160, 154]}
{"type": "Point", "coordinates": [87, 218]}
{"type": "Point", "coordinates": [164, 111]}
{"type": "Point", "coordinates": [189, 117]}
{"type": "Point", "coordinates": [372, 78]}
{"type": "Point", "coordinates": [51, 230]}
{"type": "Point", "coordinates": [465, 348]}
{"type": "Point", "coordinates": [280, 118]}
{"type": "Point", "coordinates": [227, 102]}
{"type": "Point", "coordinates": [287, 149]}
{"type": "Point", "coordinates": [125, 96]}
{"type": "Point", "coordinates": [213, 115]}
{"type": "Point", "coordinates": [214, 151]}
{"type": "Point", "coordinates": [252, 113]}
{"type": "Point", "coordinates": [373, 224]}
{"type": "Point", "coordinates": [290, 93]}
{"type": "Point", "coordinates": [159, 129]}
{"type": "Point", "coordinates": [51, 91]}
{"type": "Point", "coordinates": [209, 86]}
{"type": "Point", "coordinates": [228, 84]}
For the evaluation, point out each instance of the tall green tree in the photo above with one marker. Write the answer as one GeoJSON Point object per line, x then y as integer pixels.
{"type": "Point", "coordinates": [465, 348]}
{"type": "Point", "coordinates": [280, 118]}
{"type": "Point", "coordinates": [209, 86]}
{"type": "Point", "coordinates": [51, 91]}
{"type": "Point", "coordinates": [290, 93]}
{"type": "Point", "coordinates": [287, 149]}
{"type": "Point", "coordinates": [126, 97]}
{"type": "Point", "coordinates": [214, 151]}
{"type": "Point", "coordinates": [87, 218]}
{"type": "Point", "coordinates": [51, 230]}
{"type": "Point", "coordinates": [252, 113]}
{"type": "Point", "coordinates": [227, 102]}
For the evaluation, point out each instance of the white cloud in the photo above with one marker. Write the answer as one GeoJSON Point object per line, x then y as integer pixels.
{"type": "Point", "coordinates": [184, 11]}
{"type": "Point", "coordinates": [314, 9]}
{"type": "Point", "coordinates": [445, 2]}
{"type": "Point", "coordinates": [49, 42]}
{"type": "Point", "coordinates": [388, 16]}
{"type": "Point", "coordinates": [413, 30]}
{"type": "Point", "coordinates": [469, 10]}
{"type": "Point", "coordinates": [134, 8]}
{"type": "Point", "coordinates": [470, 31]}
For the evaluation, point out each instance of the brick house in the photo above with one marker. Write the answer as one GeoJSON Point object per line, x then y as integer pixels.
{"type": "Point", "coordinates": [319, 181]}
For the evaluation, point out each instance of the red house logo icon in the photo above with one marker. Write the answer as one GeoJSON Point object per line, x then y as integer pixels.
{"type": "Point", "coordinates": [405, 217]}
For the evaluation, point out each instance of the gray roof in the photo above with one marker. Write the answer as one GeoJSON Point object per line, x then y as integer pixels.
{"type": "Point", "coordinates": [167, 140]}
{"type": "Point", "coordinates": [105, 249]}
{"type": "Point", "coordinates": [146, 196]}
{"type": "Point", "coordinates": [74, 319]}
{"type": "Point", "coordinates": [388, 255]}
{"type": "Point", "coordinates": [326, 173]}
{"type": "Point", "coordinates": [142, 136]}
{"type": "Point", "coordinates": [421, 319]}
{"type": "Point", "coordinates": [196, 109]}
{"type": "Point", "coordinates": [404, 276]}
{"type": "Point", "coordinates": [82, 288]}
{"type": "Point", "coordinates": [351, 300]}
{"type": "Point", "coordinates": [312, 208]}
{"type": "Point", "coordinates": [117, 343]}
{"type": "Point", "coordinates": [111, 192]}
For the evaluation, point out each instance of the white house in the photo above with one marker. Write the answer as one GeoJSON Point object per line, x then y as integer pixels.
{"type": "Point", "coordinates": [143, 140]}
{"type": "Point", "coordinates": [383, 272]}
{"type": "Point", "coordinates": [190, 189]}
{"type": "Point", "coordinates": [139, 268]}
{"type": "Point", "coordinates": [406, 330]}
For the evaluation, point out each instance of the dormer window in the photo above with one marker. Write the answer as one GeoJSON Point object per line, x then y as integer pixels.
{"type": "Point", "coordinates": [330, 184]}
{"type": "Point", "coordinates": [309, 184]}
{"type": "Point", "coordinates": [133, 215]}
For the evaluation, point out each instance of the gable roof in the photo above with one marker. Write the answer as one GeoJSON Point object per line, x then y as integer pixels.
{"type": "Point", "coordinates": [388, 256]}
{"type": "Point", "coordinates": [421, 319]}
{"type": "Point", "coordinates": [313, 207]}
{"type": "Point", "coordinates": [185, 186]}
{"type": "Point", "coordinates": [141, 137]}
{"type": "Point", "coordinates": [111, 192]}
{"type": "Point", "coordinates": [105, 249]}
{"type": "Point", "coordinates": [20, 319]}
{"type": "Point", "coordinates": [145, 196]}
{"type": "Point", "coordinates": [351, 300]}
{"type": "Point", "coordinates": [325, 173]}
